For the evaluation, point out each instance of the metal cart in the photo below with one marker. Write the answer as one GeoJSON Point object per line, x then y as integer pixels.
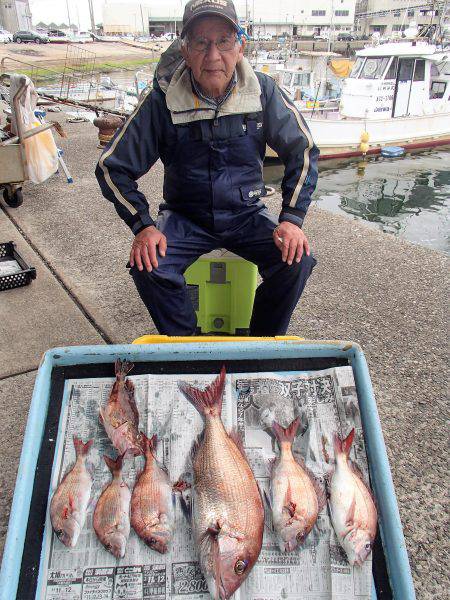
{"type": "Point", "coordinates": [13, 161]}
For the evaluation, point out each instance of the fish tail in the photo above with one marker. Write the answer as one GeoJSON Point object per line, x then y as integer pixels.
{"type": "Point", "coordinates": [115, 466]}
{"type": "Point", "coordinates": [81, 448]}
{"type": "Point", "coordinates": [208, 401]}
{"type": "Point", "coordinates": [342, 446]}
{"type": "Point", "coordinates": [149, 444]}
{"type": "Point", "coordinates": [122, 368]}
{"type": "Point", "coordinates": [286, 434]}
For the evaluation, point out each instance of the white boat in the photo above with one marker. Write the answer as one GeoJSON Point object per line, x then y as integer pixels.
{"type": "Point", "coordinates": [397, 94]}
{"type": "Point", "coordinates": [311, 81]}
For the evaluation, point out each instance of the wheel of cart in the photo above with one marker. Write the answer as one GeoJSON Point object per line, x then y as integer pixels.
{"type": "Point", "coordinates": [12, 195]}
{"type": "Point", "coordinates": [13, 159]}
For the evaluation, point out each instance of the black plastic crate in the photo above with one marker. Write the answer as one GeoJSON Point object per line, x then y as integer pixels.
{"type": "Point", "coordinates": [23, 277]}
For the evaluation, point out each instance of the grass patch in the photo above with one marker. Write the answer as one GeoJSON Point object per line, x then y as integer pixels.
{"type": "Point", "coordinates": [42, 73]}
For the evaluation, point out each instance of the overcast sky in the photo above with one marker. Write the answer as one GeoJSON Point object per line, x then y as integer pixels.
{"type": "Point", "coordinates": [56, 10]}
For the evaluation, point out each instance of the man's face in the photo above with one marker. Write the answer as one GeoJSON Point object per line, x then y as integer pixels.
{"type": "Point", "coordinates": [212, 69]}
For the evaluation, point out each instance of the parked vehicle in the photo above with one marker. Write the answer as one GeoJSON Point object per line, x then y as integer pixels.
{"type": "Point", "coordinates": [321, 37]}
{"type": "Point", "coordinates": [30, 36]}
{"type": "Point", "coordinates": [345, 36]}
{"type": "Point", "coordinates": [5, 36]}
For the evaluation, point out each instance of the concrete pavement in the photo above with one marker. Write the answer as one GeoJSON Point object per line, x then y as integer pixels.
{"type": "Point", "coordinates": [387, 295]}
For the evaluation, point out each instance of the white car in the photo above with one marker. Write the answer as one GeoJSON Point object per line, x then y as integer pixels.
{"type": "Point", "coordinates": [5, 36]}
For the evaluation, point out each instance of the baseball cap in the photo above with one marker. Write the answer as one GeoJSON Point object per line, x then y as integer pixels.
{"type": "Point", "coordinates": [199, 8]}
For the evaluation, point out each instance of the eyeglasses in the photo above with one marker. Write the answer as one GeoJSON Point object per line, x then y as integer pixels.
{"type": "Point", "coordinates": [202, 45]}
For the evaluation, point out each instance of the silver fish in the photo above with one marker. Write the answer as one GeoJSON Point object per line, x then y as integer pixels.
{"type": "Point", "coordinates": [71, 499]}
{"type": "Point", "coordinates": [227, 511]}
{"type": "Point", "coordinates": [352, 509]}
{"type": "Point", "coordinates": [296, 498]}
{"type": "Point", "coordinates": [152, 506]}
{"type": "Point", "coordinates": [120, 416]}
{"type": "Point", "coordinates": [112, 513]}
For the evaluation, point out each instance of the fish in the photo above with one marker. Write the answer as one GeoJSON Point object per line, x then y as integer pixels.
{"type": "Point", "coordinates": [112, 513]}
{"type": "Point", "coordinates": [352, 508]}
{"type": "Point", "coordinates": [227, 512]}
{"type": "Point", "coordinates": [70, 501]}
{"type": "Point", "coordinates": [120, 416]}
{"type": "Point", "coordinates": [296, 498]}
{"type": "Point", "coordinates": [152, 501]}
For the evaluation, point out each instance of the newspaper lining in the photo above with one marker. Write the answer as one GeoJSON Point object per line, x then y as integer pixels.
{"type": "Point", "coordinates": [325, 400]}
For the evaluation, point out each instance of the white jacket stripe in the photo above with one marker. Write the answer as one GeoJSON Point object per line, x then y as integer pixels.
{"type": "Point", "coordinates": [308, 148]}
{"type": "Point", "coordinates": [104, 168]}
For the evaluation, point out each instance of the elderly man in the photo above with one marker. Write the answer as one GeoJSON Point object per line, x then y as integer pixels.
{"type": "Point", "coordinates": [208, 118]}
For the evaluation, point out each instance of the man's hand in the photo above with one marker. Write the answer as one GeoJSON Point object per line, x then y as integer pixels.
{"type": "Point", "coordinates": [143, 249]}
{"type": "Point", "coordinates": [292, 242]}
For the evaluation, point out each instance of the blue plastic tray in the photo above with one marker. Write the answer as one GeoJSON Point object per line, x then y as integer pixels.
{"type": "Point", "coordinates": [389, 520]}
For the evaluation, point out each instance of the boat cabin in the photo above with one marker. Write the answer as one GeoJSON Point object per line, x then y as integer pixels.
{"type": "Point", "coordinates": [310, 78]}
{"type": "Point", "coordinates": [397, 80]}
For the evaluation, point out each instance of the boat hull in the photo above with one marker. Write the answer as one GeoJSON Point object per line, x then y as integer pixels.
{"type": "Point", "coordinates": [341, 138]}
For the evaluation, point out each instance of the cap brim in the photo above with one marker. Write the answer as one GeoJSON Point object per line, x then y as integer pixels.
{"type": "Point", "coordinates": [214, 13]}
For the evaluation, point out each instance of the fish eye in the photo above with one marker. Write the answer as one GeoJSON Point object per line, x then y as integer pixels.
{"type": "Point", "coordinates": [368, 546]}
{"type": "Point", "coordinates": [240, 567]}
{"type": "Point", "coordinates": [59, 533]}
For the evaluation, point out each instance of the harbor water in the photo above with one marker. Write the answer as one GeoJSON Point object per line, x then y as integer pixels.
{"type": "Point", "coordinates": [407, 197]}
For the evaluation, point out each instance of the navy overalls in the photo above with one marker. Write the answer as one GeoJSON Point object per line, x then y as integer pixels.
{"type": "Point", "coordinates": [212, 193]}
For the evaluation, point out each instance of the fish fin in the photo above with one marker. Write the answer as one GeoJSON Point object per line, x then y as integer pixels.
{"type": "Point", "coordinates": [286, 434]}
{"type": "Point", "coordinates": [356, 470]}
{"type": "Point", "coordinates": [196, 445]}
{"type": "Point", "coordinates": [291, 508]}
{"type": "Point", "coordinates": [115, 466]}
{"type": "Point", "coordinates": [122, 368]}
{"type": "Point", "coordinates": [342, 446]}
{"type": "Point", "coordinates": [180, 486]}
{"type": "Point", "coordinates": [81, 448]}
{"type": "Point", "coordinates": [129, 386]}
{"type": "Point", "coordinates": [237, 439]}
{"type": "Point", "coordinates": [208, 401]}
{"type": "Point", "coordinates": [350, 518]}
{"type": "Point", "coordinates": [149, 444]}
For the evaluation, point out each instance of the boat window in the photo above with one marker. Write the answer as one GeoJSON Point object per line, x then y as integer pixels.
{"type": "Point", "coordinates": [406, 69]}
{"type": "Point", "coordinates": [437, 89]}
{"type": "Point", "coordinates": [301, 79]}
{"type": "Point", "coordinates": [392, 71]}
{"type": "Point", "coordinates": [357, 67]}
{"type": "Point", "coordinates": [419, 70]}
{"type": "Point", "coordinates": [374, 67]}
{"type": "Point", "coordinates": [287, 79]}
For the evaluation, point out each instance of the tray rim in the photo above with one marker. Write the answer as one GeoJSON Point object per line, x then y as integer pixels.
{"type": "Point", "coordinates": [389, 518]}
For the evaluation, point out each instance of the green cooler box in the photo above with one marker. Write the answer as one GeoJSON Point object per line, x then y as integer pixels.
{"type": "Point", "coordinates": [222, 288]}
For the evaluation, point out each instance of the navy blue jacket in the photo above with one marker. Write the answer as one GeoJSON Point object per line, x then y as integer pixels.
{"type": "Point", "coordinates": [213, 160]}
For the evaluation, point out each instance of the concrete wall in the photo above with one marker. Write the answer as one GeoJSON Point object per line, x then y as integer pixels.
{"type": "Point", "coordinates": [15, 15]}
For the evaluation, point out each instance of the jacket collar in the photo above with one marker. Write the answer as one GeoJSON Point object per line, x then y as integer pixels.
{"type": "Point", "coordinates": [185, 106]}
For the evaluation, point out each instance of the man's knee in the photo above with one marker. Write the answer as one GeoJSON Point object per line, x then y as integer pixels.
{"type": "Point", "coordinates": [300, 269]}
{"type": "Point", "coordinates": [156, 277]}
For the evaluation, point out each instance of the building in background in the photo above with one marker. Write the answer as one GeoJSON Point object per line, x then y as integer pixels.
{"type": "Point", "coordinates": [15, 15]}
{"type": "Point", "coordinates": [300, 18]}
{"type": "Point", "coordinates": [289, 17]}
{"type": "Point", "coordinates": [389, 18]}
